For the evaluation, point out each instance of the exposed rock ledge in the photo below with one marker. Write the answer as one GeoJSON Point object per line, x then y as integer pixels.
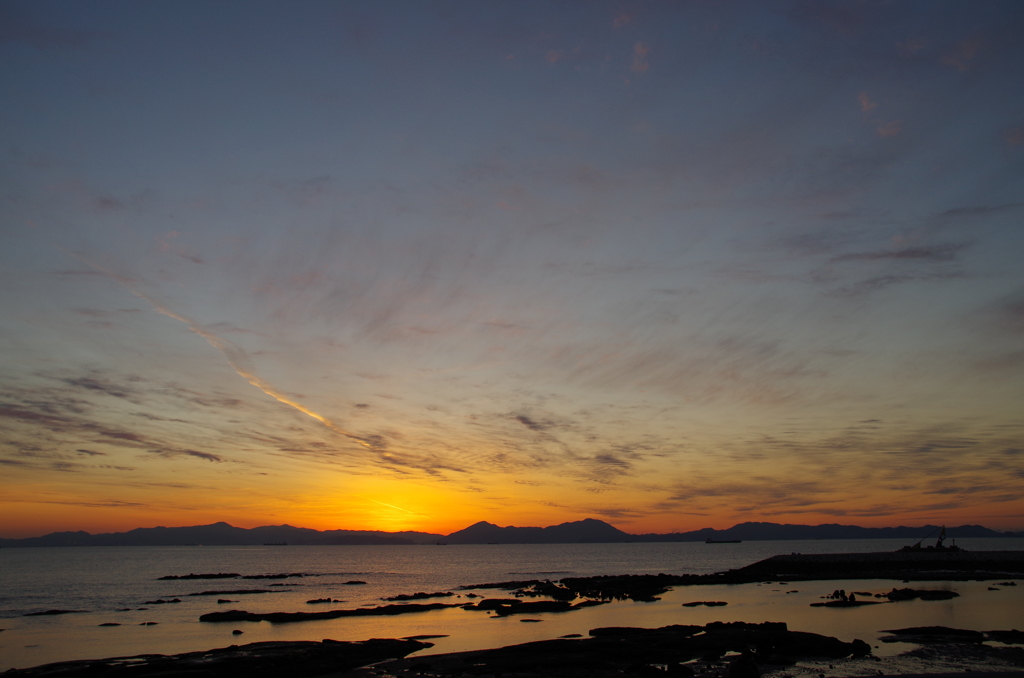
{"type": "Point", "coordinates": [769, 649]}
{"type": "Point", "coordinates": [295, 659]}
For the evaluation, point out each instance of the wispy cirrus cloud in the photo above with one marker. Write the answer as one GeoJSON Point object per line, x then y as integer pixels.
{"type": "Point", "coordinates": [531, 424]}
{"type": "Point", "coordinates": [777, 272]}
{"type": "Point", "coordinates": [95, 383]}
{"type": "Point", "coordinates": [876, 283]}
{"type": "Point", "coordinates": [941, 252]}
{"type": "Point", "coordinates": [981, 210]}
{"type": "Point", "coordinates": [770, 491]}
{"type": "Point", "coordinates": [167, 453]}
{"type": "Point", "coordinates": [608, 465]}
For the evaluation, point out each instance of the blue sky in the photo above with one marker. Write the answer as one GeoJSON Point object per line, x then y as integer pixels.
{"type": "Point", "coordinates": [394, 265]}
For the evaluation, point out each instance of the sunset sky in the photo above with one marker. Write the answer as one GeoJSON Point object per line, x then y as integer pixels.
{"type": "Point", "coordinates": [410, 265]}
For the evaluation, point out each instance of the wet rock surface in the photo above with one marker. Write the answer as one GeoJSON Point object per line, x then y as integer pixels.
{"type": "Point", "coordinates": [291, 617]}
{"type": "Point", "coordinates": [232, 575]}
{"type": "Point", "coordinates": [217, 575]}
{"type": "Point", "coordinates": [960, 566]}
{"type": "Point", "coordinates": [943, 634]}
{"type": "Point", "coordinates": [1012, 636]}
{"type": "Point", "coordinates": [846, 603]}
{"type": "Point", "coordinates": [504, 608]}
{"type": "Point", "coordinates": [941, 660]}
{"type": "Point", "coordinates": [627, 651]}
{"type": "Point", "coordinates": [419, 595]}
{"type": "Point", "coordinates": [296, 659]}
{"type": "Point", "coordinates": [840, 599]}
{"type": "Point", "coordinates": [716, 650]}
{"type": "Point", "coordinates": [233, 592]}
{"type": "Point", "coordinates": [971, 656]}
{"type": "Point", "coordinates": [913, 594]}
{"type": "Point", "coordinates": [500, 607]}
{"type": "Point", "coordinates": [641, 588]}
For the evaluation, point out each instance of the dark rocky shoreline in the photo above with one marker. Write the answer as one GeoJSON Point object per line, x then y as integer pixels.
{"type": "Point", "coordinates": [298, 659]}
{"type": "Point", "coordinates": [606, 652]}
{"type": "Point", "coordinates": [735, 650]}
{"type": "Point", "coordinates": [899, 566]}
{"type": "Point", "coordinates": [921, 565]}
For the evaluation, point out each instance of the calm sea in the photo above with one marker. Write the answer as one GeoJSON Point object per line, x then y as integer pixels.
{"type": "Point", "coordinates": [114, 584]}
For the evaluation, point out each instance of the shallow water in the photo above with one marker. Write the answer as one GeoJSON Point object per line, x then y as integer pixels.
{"type": "Point", "coordinates": [104, 580]}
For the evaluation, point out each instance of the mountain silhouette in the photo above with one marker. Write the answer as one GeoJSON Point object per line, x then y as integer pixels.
{"type": "Point", "coordinates": [583, 531]}
{"type": "Point", "coordinates": [223, 534]}
{"type": "Point", "coordinates": [587, 531]}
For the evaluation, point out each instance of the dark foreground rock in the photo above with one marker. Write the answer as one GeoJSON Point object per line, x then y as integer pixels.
{"type": "Point", "coordinates": [297, 659]}
{"type": "Point", "coordinates": [607, 652]}
{"type": "Point", "coordinates": [631, 652]}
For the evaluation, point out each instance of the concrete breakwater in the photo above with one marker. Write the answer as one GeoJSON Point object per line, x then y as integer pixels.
{"type": "Point", "coordinates": [917, 565]}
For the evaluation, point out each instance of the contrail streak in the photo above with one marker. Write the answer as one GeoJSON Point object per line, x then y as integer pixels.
{"type": "Point", "coordinates": [236, 357]}
{"type": "Point", "coordinates": [390, 506]}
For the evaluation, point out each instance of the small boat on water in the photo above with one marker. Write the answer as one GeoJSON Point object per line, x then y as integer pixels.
{"type": "Point", "coordinates": [709, 540]}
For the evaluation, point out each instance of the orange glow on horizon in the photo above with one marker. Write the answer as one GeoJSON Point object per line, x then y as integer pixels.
{"type": "Point", "coordinates": [21, 519]}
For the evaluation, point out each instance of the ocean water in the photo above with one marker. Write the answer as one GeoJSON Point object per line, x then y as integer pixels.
{"type": "Point", "coordinates": [114, 584]}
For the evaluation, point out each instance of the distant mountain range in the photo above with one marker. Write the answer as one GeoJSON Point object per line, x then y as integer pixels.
{"type": "Point", "coordinates": [597, 531]}
{"type": "Point", "coordinates": [579, 532]}
{"type": "Point", "coordinates": [222, 534]}
{"type": "Point", "coordinates": [587, 531]}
